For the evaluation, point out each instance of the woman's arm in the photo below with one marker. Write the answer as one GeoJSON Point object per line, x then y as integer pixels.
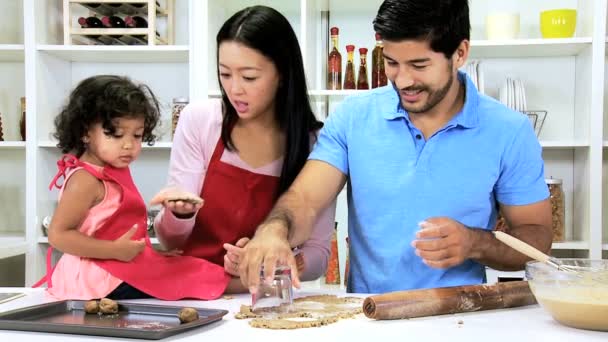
{"type": "Point", "coordinates": [186, 172]}
{"type": "Point", "coordinates": [316, 249]}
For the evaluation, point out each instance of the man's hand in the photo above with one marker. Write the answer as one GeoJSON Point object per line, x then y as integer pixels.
{"type": "Point", "coordinates": [269, 248]}
{"type": "Point", "coordinates": [443, 242]}
{"type": "Point", "coordinates": [233, 256]}
{"type": "Point", "coordinates": [126, 249]}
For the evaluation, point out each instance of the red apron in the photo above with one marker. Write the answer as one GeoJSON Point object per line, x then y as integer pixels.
{"type": "Point", "coordinates": [236, 202]}
{"type": "Point", "coordinates": [163, 277]}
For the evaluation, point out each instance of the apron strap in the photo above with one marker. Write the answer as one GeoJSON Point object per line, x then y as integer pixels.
{"type": "Point", "coordinates": [47, 278]}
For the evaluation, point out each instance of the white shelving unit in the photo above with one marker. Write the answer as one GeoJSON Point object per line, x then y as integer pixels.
{"type": "Point", "coordinates": [565, 77]}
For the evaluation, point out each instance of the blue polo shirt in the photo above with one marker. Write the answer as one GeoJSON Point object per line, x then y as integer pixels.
{"type": "Point", "coordinates": [486, 154]}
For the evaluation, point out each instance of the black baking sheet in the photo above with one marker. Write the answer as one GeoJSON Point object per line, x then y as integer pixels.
{"type": "Point", "coordinates": [142, 321]}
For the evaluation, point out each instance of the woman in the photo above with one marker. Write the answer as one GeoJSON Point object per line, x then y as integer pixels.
{"type": "Point", "coordinates": [241, 152]}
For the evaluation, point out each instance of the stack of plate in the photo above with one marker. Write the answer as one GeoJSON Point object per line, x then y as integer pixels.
{"type": "Point", "coordinates": [513, 95]}
{"type": "Point", "coordinates": [475, 72]}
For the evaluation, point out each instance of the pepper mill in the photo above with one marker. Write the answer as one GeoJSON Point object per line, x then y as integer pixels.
{"type": "Point", "coordinates": [1, 133]}
{"type": "Point", "coordinates": [22, 121]}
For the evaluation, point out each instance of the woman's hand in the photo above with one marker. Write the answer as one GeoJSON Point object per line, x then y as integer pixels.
{"type": "Point", "coordinates": [183, 204]}
{"type": "Point", "coordinates": [232, 258]}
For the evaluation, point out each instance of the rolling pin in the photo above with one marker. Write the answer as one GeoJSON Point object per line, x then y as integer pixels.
{"type": "Point", "coordinates": [448, 300]}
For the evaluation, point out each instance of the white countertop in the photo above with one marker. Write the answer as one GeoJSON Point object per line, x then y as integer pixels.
{"type": "Point", "coordinates": [519, 324]}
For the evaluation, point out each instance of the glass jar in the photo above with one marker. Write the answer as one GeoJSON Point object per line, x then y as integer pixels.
{"type": "Point", "coordinates": [558, 205]}
{"type": "Point", "coordinates": [276, 296]}
{"type": "Point", "coordinates": [176, 108]}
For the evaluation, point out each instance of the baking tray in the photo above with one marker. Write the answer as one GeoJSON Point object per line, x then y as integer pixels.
{"type": "Point", "coordinates": [143, 321]}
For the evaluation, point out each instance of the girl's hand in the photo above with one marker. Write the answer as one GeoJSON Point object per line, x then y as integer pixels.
{"type": "Point", "coordinates": [126, 249]}
{"type": "Point", "coordinates": [233, 256]}
{"type": "Point", "coordinates": [180, 202]}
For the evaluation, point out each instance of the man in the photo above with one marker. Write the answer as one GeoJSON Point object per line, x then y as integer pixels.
{"type": "Point", "coordinates": [429, 161]}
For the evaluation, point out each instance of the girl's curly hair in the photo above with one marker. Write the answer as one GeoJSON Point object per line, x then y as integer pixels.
{"type": "Point", "coordinates": [101, 99]}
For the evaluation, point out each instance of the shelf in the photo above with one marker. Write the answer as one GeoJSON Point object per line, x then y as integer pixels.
{"type": "Point", "coordinates": [323, 92]}
{"type": "Point", "coordinates": [118, 54]}
{"type": "Point", "coordinates": [43, 240]}
{"type": "Point", "coordinates": [161, 145]}
{"type": "Point", "coordinates": [216, 92]}
{"type": "Point", "coordinates": [11, 246]}
{"type": "Point", "coordinates": [570, 245]}
{"type": "Point", "coordinates": [12, 53]}
{"type": "Point", "coordinates": [563, 144]}
{"type": "Point", "coordinates": [12, 145]}
{"type": "Point", "coordinates": [159, 11]}
{"type": "Point", "coordinates": [605, 247]}
{"type": "Point", "coordinates": [519, 48]}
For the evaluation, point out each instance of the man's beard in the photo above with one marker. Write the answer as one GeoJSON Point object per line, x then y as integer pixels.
{"type": "Point", "coordinates": [434, 96]}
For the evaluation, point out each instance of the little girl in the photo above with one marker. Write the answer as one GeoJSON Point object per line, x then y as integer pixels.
{"type": "Point", "coordinates": [100, 221]}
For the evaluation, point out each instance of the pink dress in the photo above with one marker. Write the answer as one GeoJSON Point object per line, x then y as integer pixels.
{"type": "Point", "coordinates": [80, 278]}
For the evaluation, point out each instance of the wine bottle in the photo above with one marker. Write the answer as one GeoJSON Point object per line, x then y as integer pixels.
{"type": "Point", "coordinates": [90, 22]}
{"type": "Point", "coordinates": [113, 22]}
{"type": "Point", "coordinates": [142, 8]}
{"type": "Point", "coordinates": [122, 8]}
{"type": "Point", "coordinates": [99, 8]}
{"type": "Point", "coordinates": [137, 22]}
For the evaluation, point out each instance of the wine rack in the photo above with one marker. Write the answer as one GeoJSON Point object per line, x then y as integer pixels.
{"type": "Point", "coordinates": [150, 9]}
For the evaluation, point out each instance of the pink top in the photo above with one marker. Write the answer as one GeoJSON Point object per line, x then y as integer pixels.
{"type": "Point", "coordinates": [80, 278]}
{"type": "Point", "coordinates": [199, 128]}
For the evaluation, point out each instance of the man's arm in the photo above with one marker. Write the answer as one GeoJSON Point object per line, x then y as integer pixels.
{"type": "Point", "coordinates": [444, 242]}
{"type": "Point", "coordinates": [530, 223]}
{"type": "Point", "coordinates": [312, 191]}
{"type": "Point", "coordinates": [291, 221]}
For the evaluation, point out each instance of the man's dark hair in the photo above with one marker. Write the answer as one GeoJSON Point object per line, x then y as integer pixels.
{"type": "Point", "coordinates": [443, 23]}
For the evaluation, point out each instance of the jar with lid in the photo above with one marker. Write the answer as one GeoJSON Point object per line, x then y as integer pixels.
{"type": "Point", "coordinates": [556, 196]}
{"type": "Point", "coordinates": [176, 108]}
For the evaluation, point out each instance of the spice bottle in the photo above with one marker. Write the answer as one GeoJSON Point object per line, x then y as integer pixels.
{"type": "Point", "coordinates": [334, 63]}
{"type": "Point", "coordinates": [349, 74]}
{"type": "Point", "coordinates": [178, 105]}
{"type": "Point", "coordinates": [362, 78]}
{"type": "Point", "coordinates": [332, 275]}
{"type": "Point", "coordinates": [556, 196]}
{"type": "Point", "coordinates": [378, 74]}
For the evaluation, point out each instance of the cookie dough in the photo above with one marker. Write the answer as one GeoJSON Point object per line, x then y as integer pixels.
{"type": "Point", "coordinates": [186, 198]}
{"type": "Point", "coordinates": [108, 306]}
{"type": "Point", "coordinates": [187, 315]}
{"type": "Point", "coordinates": [91, 307]}
{"type": "Point", "coordinates": [306, 312]}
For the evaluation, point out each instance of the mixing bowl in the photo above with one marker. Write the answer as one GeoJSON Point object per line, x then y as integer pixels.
{"type": "Point", "coordinates": [578, 300]}
{"type": "Point", "coordinates": [558, 23]}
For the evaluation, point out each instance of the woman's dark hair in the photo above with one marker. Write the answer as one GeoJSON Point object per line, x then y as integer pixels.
{"type": "Point", "coordinates": [266, 30]}
{"type": "Point", "coordinates": [101, 99]}
{"type": "Point", "coordinates": [444, 23]}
